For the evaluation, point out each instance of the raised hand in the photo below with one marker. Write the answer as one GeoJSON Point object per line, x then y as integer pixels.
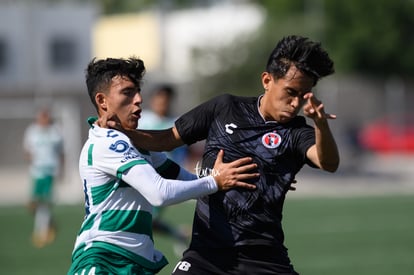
{"type": "Point", "coordinates": [314, 108]}
{"type": "Point", "coordinates": [231, 174]}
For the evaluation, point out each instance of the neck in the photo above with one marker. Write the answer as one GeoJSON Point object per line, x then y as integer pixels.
{"type": "Point", "coordinates": [261, 108]}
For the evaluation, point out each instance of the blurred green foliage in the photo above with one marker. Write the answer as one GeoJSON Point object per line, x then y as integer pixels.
{"type": "Point", "coordinates": [128, 6]}
{"type": "Point", "coordinates": [371, 37]}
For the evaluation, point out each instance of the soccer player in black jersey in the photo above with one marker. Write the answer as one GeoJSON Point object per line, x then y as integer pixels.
{"type": "Point", "coordinates": [240, 231]}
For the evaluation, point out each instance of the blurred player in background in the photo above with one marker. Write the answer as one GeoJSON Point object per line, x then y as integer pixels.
{"type": "Point", "coordinates": [240, 231]}
{"type": "Point", "coordinates": [122, 183]}
{"type": "Point", "coordinates": [43, 147]}
{"type": "Point", "coordinates": [158, 117]}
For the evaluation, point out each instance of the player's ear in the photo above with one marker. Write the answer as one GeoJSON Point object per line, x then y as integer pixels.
{"type": "Point", "coordinates": [266, 79]}
{"type": "Point", "coordinates": [100, 99]}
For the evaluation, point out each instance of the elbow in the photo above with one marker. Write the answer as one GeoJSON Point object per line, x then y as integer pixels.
{"type": "Point", "coordinates": [331, 169]}
{"type": "Point", "coordinates": [331, 166]}
{"type": "Point", "coordinates": [157, 204]}
{"type": "Point", "coordinates": [161, 195]}
{"type": "Point", "coordinates": [158, 200]}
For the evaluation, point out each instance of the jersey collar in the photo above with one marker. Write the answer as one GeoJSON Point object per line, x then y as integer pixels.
{"type": "Point", "coordinates": [261, 115]}
{"type": "Point", "coordinates": [91, 120]}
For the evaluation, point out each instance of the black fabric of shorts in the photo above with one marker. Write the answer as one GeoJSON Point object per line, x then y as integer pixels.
{"type": "Point", "coordinates": [245, 260]}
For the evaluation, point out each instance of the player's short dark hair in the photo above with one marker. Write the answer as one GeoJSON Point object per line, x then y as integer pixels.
{"type": "Point", "coordinates": [308, 56]}
{"type": "Point", "coordinates": [165, 89]}
{"type": "Point", "coordinates": [99, 73]}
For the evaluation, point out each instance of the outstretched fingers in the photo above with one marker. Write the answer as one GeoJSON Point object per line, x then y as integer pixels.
{"type": "Point", "coordinates": [245, 172]}
{"type": "Point", "coordinates": [243, 185]}
{"type": "Point", "coordinates": [233, 174]}
{"type": "Point", "coordinates": [236, 163]}
{"type": "Point", "coordinates": [320, 110]}
{"type": "Point", "coordinates": [315, 109]}
{"type": "Point", "coordinates": [241, 169]}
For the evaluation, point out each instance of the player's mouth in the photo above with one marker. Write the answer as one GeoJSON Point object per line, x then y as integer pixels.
{"type": "Point", "coordinates": [137, 114]}
{"type": "Point", "coordinates": [289, 114]}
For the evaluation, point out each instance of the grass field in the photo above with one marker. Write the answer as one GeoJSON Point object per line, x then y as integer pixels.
{"type": "Point", "coordinates": [363, 235]}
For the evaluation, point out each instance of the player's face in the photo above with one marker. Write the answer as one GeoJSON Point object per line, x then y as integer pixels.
{"type": "Point", "coordinates": [160, 104]}
{"type": "Point", "coordinates": [284, 96]}
{"type": "Point", "coordinates": [124, 100]}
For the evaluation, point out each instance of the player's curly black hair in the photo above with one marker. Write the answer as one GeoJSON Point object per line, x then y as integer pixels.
{"type": "Point", "coordinates": [306, 55]}
{"type": "Point", "coordinates": [99, 73]}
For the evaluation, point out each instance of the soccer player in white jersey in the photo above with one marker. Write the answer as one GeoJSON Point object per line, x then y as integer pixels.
{"type": "Point", "coordinates": [43, 148]}
{"type": "Point", "coordinates": [122, 183]}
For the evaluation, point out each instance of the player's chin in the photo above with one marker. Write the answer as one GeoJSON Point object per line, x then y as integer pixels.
{"type": "Point", "coordinates": [286, 117]}
{"type": "Point", "coordinates": [131, 124]}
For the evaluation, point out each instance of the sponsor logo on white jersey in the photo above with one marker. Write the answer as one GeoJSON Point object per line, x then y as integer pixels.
{"type": "Point", "coordinates": [119, 146]}
{"type": "Point", "coordinates": [131, 153]}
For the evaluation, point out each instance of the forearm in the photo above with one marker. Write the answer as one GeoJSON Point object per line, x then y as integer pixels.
{"type": "Point", "coordinates": [161, 192]}
{"type": "Point", "coordinates": [176, 191]}
{"type": "Point", "coordinates": [155, 140]}
{"type": "Point", "coordinates": [326, 148]}
{"type": "Point", "coordinates": [186, 175]}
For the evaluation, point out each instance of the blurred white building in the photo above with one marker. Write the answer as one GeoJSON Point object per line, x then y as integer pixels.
{"type": "Point", "coordinates": [166, 40]}
{"type": "Point", "coordinates": [44, 49]}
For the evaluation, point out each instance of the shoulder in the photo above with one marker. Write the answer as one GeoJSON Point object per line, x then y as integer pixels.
{"type": "Point", "coordinates": [227, 100]}
{"type": "Point", "coordinates": [109, 140]}
{"type": "Point", "coordinates": [109, 151]}
{"type": "Point", "coordinates": [300, 129]}
{"type": "Point", "coordinates": [234, 98]}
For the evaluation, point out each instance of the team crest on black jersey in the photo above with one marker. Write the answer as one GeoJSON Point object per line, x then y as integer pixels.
{"type": "Point", "coordinates": [271, 140]}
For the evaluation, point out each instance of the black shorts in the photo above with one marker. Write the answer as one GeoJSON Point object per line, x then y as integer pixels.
{"type": "Point", "coordinates": [249, 260]}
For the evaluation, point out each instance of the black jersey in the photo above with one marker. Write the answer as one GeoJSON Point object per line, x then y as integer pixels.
{"type": "Point", "coordinates": [241, 216]}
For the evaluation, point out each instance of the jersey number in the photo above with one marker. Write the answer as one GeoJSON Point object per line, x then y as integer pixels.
{"type": "Point", "coordinates": [183, 266]}
{"type": "Point", "coordinates": [91, 272]}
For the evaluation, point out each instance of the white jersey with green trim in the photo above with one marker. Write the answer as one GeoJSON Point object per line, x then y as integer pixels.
{"type": "Point", "coordinates": [121, 186]}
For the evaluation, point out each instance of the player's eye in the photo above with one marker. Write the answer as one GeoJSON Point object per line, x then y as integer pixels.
{"type": "Point", "coordinates": [131, 91]}
{"type": "Point", "coordinates": [292, 92]}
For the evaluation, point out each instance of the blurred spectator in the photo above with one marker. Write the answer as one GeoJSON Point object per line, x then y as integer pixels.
{"type": "Point", "coordinates": [156, 118]}
{"type": "Point", "coordinates": [159, 117]}
{"type": "Point", "coordinates": [43, 148]}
